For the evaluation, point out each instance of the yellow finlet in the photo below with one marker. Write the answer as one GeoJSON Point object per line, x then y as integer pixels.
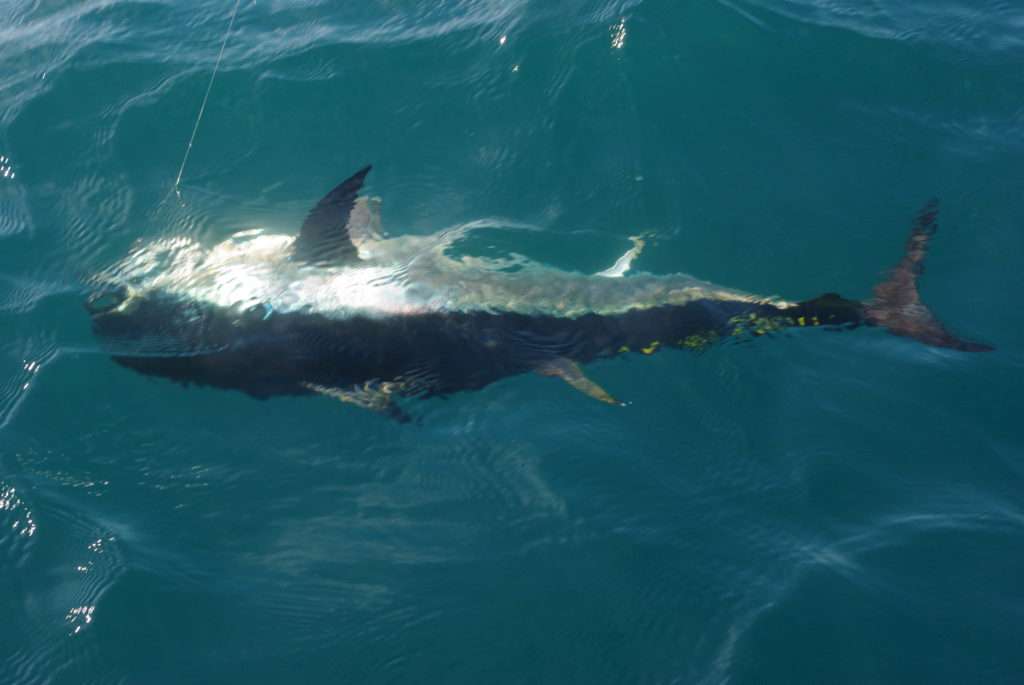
{"type": "Point", "coordinates": [652, 348]}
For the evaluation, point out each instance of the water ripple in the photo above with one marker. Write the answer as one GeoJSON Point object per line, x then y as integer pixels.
{"type": "Point", "coordinates": [22, 359]}
{"type": "Point", "coordinates": [17, 526]}
{"type": "Point", "coordinates": [64, 581]}
{"type": "Point", "coordinates": [15, 216]}
{"type": "Point", "coordinates": [91, 210]}
{"type": "Point", "coordinates": [990, 26]}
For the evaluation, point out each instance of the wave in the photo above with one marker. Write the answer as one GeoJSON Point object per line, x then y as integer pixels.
{"type": "Point", "coordinates": [992, 26]}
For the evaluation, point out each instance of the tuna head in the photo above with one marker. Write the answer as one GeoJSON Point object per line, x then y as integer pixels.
{"type": "Point", "coordinates": [167, 321]}
{"type": "Point", "coordinates": [174, 295]}
{"type": "Point", "coordinates": [241, 314]}
{"type": "Point", "coordinates": [135, 305]}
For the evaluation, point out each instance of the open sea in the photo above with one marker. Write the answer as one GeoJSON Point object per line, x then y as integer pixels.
{"type": "Point", "coordinates": [810, 507]}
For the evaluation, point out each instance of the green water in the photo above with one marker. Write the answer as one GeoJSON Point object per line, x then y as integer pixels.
{"type": "Point", "coordinates": [815, 507]}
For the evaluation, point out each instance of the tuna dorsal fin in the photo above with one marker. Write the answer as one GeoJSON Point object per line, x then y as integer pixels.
{"type": "Point", "coordinates": [324, 234]}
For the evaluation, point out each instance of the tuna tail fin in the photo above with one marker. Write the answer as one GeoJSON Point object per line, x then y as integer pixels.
{"type": "Point", "coordinates": [897, 304]}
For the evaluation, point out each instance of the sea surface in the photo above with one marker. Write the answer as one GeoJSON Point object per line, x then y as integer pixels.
{"type": "Point", "coordinates": [811, 507]}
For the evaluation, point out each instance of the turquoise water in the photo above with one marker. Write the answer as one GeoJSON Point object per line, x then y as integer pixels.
{"type": "Point", "coordinates": [815, 507]}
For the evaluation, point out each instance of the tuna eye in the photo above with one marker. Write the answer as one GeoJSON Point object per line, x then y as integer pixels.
{"type": "Point", "coordinates": [106, 300]}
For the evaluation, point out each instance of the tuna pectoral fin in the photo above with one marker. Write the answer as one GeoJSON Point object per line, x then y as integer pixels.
{"type": "Point", "coordinates": [897, 303]}
{"type": "Point", "coordinates": [570, 372]}
{"type": "Point", "coordinates": [377, 397]}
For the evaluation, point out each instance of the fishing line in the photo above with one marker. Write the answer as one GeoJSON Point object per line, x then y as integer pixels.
{"type": "Point", "coordinates": [202, 107]}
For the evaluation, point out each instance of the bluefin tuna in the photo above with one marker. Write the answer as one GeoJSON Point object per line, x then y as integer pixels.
{"type": "Point", "coordinates": [345, 311]}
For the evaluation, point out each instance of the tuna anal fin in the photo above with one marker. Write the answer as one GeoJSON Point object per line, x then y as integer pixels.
{"type": "Point", "coordinates": [377, 397]}
{"type": "Point", "coordinates": [625, 262]}
{"type": "Point", "coordinates": [570, 372]}
{"type": "Point", "coordinates": [897, 303]}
